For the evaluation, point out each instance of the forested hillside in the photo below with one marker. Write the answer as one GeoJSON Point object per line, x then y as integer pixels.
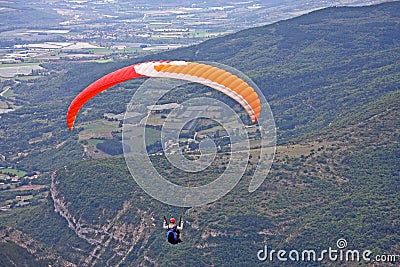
{"type": "Point", "coordinates": [332, 80]}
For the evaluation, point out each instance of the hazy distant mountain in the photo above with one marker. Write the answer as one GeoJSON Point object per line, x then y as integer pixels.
{"type": "Point", "coordinates": [16, 14]}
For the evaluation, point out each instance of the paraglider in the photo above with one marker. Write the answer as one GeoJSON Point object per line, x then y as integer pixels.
{"type": "Point", "coordinates": [211, 76]}
{"type": "Point", "coordinates": [173, 234]}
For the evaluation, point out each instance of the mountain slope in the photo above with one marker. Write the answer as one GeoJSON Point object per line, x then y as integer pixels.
{"type": "Point", "coordinates": [332, 79]}
{"type": "Point", "coordinates": [340, 185]}
{"type": "Point", "coordinates": [309, 68]}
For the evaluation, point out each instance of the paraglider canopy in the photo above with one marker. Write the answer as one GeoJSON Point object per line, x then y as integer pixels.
{"type": "Point", "coordinates": [211, 76]}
